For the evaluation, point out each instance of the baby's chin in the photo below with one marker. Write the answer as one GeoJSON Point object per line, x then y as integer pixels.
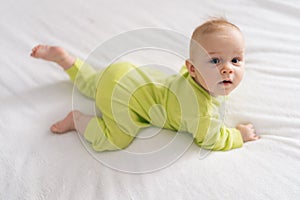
{"type": "Point", "coordinates": [223, 94]}
{"type": "Point", "coordinates": [223, 89]}
{"type": "Point", "coordinates": [220, 92]}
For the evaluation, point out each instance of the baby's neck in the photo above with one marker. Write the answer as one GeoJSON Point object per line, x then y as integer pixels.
{"type": "Point", "coordinates": [209, 92]}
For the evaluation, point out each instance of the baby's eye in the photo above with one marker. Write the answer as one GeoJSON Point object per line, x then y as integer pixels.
{"type": "Point", "coordinates": [215, 61]}
{"type": "Point", "coordinates": [235, 60]}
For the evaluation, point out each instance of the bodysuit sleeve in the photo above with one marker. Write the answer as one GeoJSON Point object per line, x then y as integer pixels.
{"type": "Point", "coordinates": [213, 134]}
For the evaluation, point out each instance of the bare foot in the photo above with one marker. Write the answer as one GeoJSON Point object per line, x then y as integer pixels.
{"type": "Point", "coordinates": [67, 124]}
{"type": "Point", "coordinates": [54, 54]}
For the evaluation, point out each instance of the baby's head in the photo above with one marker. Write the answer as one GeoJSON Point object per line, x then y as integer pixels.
{"type": "Point", "coordinates": [216, 60]}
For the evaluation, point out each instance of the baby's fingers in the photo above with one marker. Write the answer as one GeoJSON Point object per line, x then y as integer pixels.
{"type": "Point", "coordinates": [256, 137]}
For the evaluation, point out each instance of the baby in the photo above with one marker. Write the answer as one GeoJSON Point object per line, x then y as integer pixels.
{"type": "Point", "coordinates": [131, 98]}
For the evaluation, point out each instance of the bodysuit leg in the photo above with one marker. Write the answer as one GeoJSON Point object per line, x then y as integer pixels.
{"type": "Point", "coordinates": [102, 132]}
{"type": "Point", "coordinates": [84, 77]}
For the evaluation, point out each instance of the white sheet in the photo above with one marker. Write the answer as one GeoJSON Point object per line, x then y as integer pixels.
{"type": "Point", "coordinates": [35, 164]}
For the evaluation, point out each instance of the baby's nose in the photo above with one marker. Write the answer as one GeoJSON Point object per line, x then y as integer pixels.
{"type": "Point", "coordinates": [227, 69]}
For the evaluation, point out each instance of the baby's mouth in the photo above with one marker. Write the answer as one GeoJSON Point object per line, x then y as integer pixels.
{"type": "Point", "coordinates": [226, 82]}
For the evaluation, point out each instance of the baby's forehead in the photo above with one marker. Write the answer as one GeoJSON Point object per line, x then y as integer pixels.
{"type": "Point", "coordinates": [217, 35]}
{"type": "Point", "coordinates": [220, 42]}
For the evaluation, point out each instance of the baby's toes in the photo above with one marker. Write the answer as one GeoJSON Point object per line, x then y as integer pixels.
{"type": "Point", "coordinates": [58, 127]}
{"type": "Point", "coordinates": [34, 50]}
{"type": "Point", "coordinates": [54, 128]}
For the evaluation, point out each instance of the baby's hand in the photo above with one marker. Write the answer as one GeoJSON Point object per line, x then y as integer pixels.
{"type": "Point", "coordinates": [247, 132]}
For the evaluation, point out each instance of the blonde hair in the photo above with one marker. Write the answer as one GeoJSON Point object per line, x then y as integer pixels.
{"type": "Point", "coordinates": [212, 25]}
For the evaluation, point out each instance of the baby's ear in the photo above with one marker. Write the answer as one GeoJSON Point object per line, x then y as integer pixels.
{"type": "Point", "coordinates": [191, 68]}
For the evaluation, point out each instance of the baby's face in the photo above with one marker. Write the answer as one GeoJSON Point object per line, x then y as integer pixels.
{"type": "Point", "coordinates": [221, 68]}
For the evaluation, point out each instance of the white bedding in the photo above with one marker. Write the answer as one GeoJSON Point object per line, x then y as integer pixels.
{"type": "Point", "coordinates": [36, 164]}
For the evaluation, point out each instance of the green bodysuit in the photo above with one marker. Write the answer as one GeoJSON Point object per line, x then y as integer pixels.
{"type": "Point", "coordinates": [131, 98]}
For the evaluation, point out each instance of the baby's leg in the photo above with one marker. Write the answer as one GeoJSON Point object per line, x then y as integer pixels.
{"type": "Point", "coordinates": [54, 54]}
{"type": "Point", "coordinates": [86, 78]}
{"type": "Point", "coordinates": [75, 120]}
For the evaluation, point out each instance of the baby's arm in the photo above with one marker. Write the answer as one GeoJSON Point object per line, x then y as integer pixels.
{"type": "Point", "coordinates": [212, 134]}
{"type": "Point", "coordinates": [248, 132]}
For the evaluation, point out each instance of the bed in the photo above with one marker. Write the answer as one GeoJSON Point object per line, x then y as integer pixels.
{"type": "Point", "coordinates": [36, 164]}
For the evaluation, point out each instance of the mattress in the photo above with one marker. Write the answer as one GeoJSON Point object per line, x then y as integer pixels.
{"type": "Point", "coordinates": [36, 164]}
